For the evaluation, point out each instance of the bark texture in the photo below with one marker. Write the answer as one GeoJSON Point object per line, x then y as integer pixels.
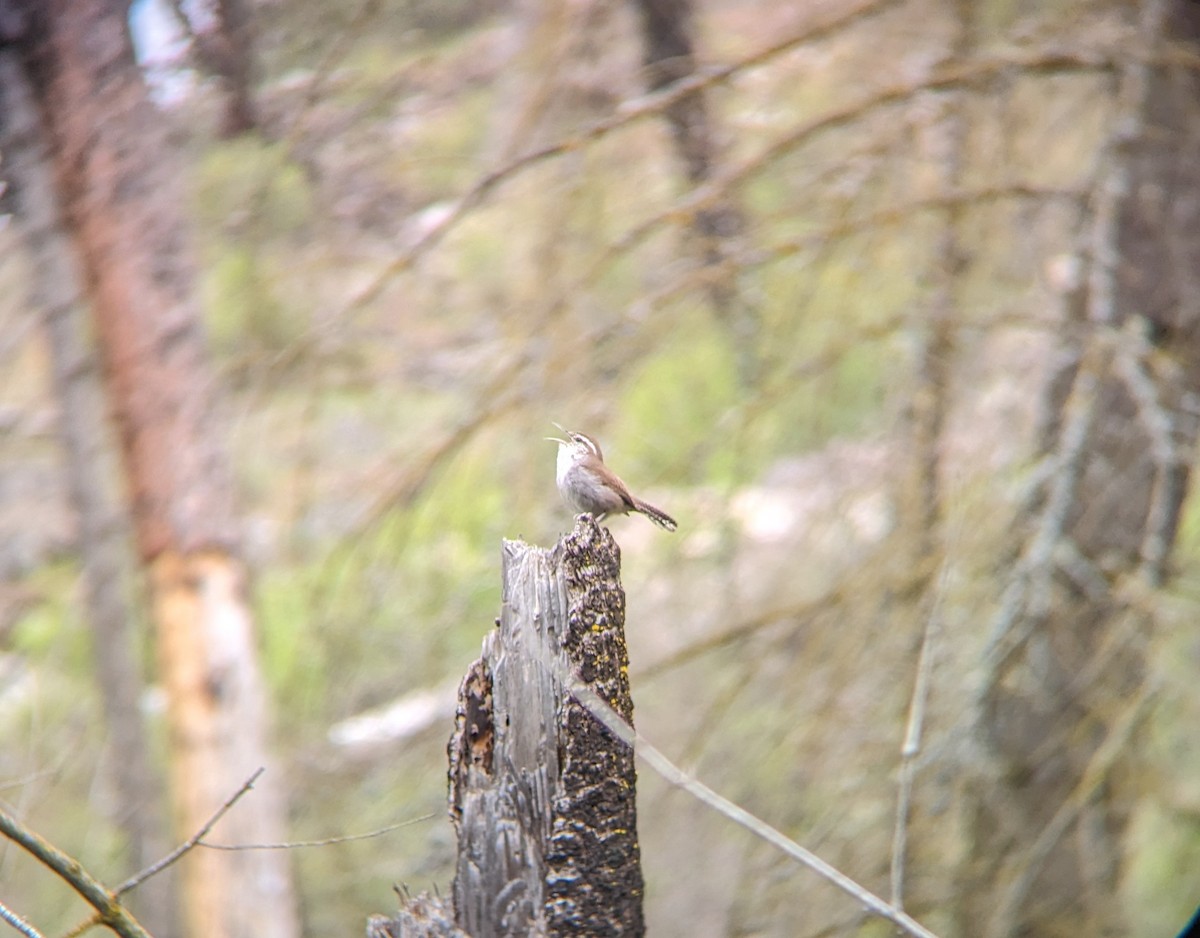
{"type": "Point", "coordinates": [121, 200]}
{"type": "Point", "coordinates": [542, 795]}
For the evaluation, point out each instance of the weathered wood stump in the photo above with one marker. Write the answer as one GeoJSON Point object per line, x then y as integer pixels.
{"type": "Point", "coordinates": [542, 795]}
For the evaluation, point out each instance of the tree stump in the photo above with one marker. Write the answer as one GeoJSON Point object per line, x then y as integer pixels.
{"type": "Point", "coordinates": [542, 795]}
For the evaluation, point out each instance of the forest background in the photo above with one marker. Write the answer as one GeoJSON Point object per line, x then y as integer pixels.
{"type": "Point", "coordinates": [893, 305]}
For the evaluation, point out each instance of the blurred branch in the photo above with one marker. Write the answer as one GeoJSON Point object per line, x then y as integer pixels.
{"type": "Point", "coordinates": [1026, 598]}
{"type": "Point", "coordinates": [491, 401]}
{"type": "Point", "coordinates": [698, 200]}
{"type": "Point", "coordinates": [913, 731]}
{"type": "Point", "coordinates": [18, 923]}
{"type": "Point", "coordinates": [171, 857]}
{"type": "Point", "coordinates": [709, 194]}
{"type": "Point", "coordinates": [651, 105]}
{"type": "Point", "coordinates": [958, 76]}
{"type": "Point", "coordinates": [768, 392]}
{"type": "Point", "coordinates": [928, 406]}
{"type": "Point", "coordinates": [109, 910]}
{"type": "Point", "coordinates": [1133, 366]}
{"type": "Point", "coordinates": [669, 56]}
{"type": "Point", "coordinates": [900, 214]}
{"type": "Point", "coordinates": [1114, 747]}
{"type": "Point", "coordinates": [337, 50]}
{"type": "Point", "coordinates": [742, 630]}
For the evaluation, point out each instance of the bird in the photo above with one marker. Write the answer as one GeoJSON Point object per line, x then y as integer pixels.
{"type": "Point", "coordinates": [588, 485]}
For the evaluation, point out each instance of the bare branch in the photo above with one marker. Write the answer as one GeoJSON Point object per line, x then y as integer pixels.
{"type": "Point", "coordinates": [327, 842]}
{"type": "Point", "coordinates": [647, 106]}
{"type": "Point", "coordinates": [1026, 596]}
{"type": "Point", "coordinates": [674, 775]}
{"type": "Point", "coordinates": [159, 866]}
{"type": "Point", "coordinates": [911, 746]}
{"type": "Point", "coordinates": [192, 841]}
{"type": "Point", "coordinates": [1132, 367]}
{"type": "Point", "coordinates": [18, 923]}
{"type": "Point", "coordinates": [108, 908]}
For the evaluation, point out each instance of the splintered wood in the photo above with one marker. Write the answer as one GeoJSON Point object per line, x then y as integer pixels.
{"type": "Point", "coordinates": [542, 795]}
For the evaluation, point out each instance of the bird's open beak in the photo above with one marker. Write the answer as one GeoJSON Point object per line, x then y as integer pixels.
{"type": "Point", "coordinates": [554, 439]}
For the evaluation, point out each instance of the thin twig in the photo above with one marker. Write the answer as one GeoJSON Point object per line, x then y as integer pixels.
{"type": "Point", "coordinates": [327, 842]}
{"type": "Point", "coordinates": [1133, 367]}
{"type": "Point", "coordinates": [18, 923]}
{"type": "Point", "coordinates": [160, 865]}
{"type": "Point", "coordinates": [673, 775]}
{"type": "Point", "coordinates": [911, 747]}
{"type": "Point", "coordinates": [192, 841]}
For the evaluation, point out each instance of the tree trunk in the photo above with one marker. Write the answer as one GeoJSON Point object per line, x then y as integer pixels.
{"type": "Point", "coordinates": [220, 34]}
{"type": "Point", "coordinates": [670, 57]}
{"type": "Point", "coordinates": [1068, 683]}
{"type": "Point", "coordinates": [944, 139]}
{"type": "Point", "coordinates": [102, 530]}
{"type": "Point", "coordinates": [542, 794]}
{"type": "Point", "coordinates": [121, 199]}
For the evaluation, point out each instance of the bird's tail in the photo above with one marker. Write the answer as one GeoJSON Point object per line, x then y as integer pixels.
{"type": "Point", "coordinates": [657, 515]}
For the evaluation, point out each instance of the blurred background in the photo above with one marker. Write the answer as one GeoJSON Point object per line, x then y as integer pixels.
{"type": "Point", "coordinates": [892, 304]}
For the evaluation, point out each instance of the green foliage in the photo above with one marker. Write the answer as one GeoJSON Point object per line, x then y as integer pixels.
{"type": "Point", "coordinates": [244, 310]}
{"type": "Point", "coordinates": [673, 401]}
{"type": "Point", "coordinates": [287, 630]}
{"type": "Point", "coordinates": [1187, 540]}
{"type": "Point", "coordinates": [247, 185]}
{"type": "Point", "coordinates": [823, 354]}
{"type": "Point", "coordinates": [50, 630]}
{"type": "Point", "coordinates": [390, 610]}
{"type": "Point", "coordinates": [37, 632]}
{"type": "Point", "coordinates": [254, 205]}
{"type": "Point", "coordinates": [1158, 895]}
{"type": "Point", "coordinates": [438, 156]}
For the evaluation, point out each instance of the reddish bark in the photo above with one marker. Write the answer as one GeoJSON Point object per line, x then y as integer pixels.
{"type": "Point", "coordinates": [121, 198]}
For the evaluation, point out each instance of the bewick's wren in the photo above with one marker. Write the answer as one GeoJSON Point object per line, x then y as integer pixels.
{"type": "Point", "coordinates": [586, 484]}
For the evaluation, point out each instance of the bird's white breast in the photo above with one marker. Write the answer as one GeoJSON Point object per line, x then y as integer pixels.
{"type": "Point", "coordinates": [564, 464]}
